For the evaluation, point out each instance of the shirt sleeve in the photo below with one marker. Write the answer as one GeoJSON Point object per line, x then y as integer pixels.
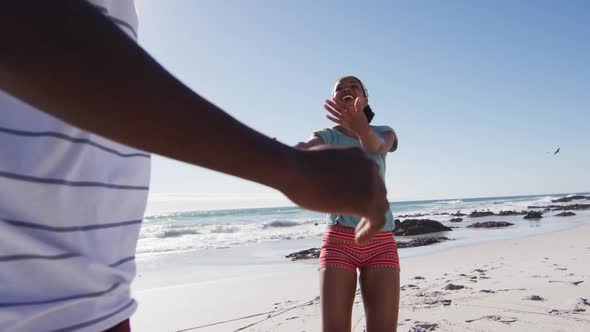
{"type": "Point", "coordinates": [383, 129]}
{"type": "Point", "coordinates": [327, 135]}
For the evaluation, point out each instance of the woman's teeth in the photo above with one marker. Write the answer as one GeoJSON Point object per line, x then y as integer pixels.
{"type": "Point", "coordinates": [345, 98]}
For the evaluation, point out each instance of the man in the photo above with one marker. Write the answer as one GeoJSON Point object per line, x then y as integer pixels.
{"type": "Point", "coordinates": [79, 103]}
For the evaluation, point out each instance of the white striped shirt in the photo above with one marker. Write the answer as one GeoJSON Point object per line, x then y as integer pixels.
{"type": "Point", "coordinates": [71, 206]}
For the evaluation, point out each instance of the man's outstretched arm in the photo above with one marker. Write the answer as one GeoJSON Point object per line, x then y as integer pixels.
{"type": "Point", "coordinates": [67, 59]}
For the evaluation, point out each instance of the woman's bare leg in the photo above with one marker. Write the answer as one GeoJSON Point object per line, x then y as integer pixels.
{"type": "Point", "coordinates": [380, 290]}
{"type": "Point", "coordinates": [337, 291]}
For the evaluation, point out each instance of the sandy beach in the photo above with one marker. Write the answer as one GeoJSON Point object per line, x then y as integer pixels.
{"type": "Point", "coordinates": [540, 282]}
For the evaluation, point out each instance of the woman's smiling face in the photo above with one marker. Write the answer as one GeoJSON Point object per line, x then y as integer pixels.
{"type": "Point", "coordinates": [347, 89]}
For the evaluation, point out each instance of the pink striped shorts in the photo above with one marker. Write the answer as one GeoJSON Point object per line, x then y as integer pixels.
{"type": "Point", "coordinates": [339, 250]}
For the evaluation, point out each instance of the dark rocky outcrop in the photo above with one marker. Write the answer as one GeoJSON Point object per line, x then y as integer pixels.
{"type": "Point", "coordinates": [419, 226]}
{"type": "Point", "coordinates": [572, 207]}
{"type": "Point", "coordinates": [562, 207]}
{"type": "Point", "coordinates": [490, 224]}
{"type": "Point", "coordinates": [456, 220]}
{"type": "Point", "coordinates": [570, 198]}
{"type": "Point", "coordinates": [565, 214]}
{"type": "Point", "coordinates": [458, 214]}
{"type": "Point", "coordinates": [534, 215]}
{"type": "Point", "coordinates": [419, 242]}
{"type": "Point", "coordinates": [511, 213]}
{"type": "Point", "coordinates": [477, 214]}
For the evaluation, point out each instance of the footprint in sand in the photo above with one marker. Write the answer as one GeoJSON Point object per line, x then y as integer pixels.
{"type": "Point", "coordinates": [432, 301]}
{"type": "Point", "coordinates": [423, 327]}
{"type": "Point", "coordinates": [409, 286]}
{"type": "Point", "coordinates": [495, 318]}
{"type": "Point", "coordinates": [453, 287]}
{"type": "Point", "coordinates": [575, 283]}
{"type": "Point", "coordinates": [533, 298]}
{"type": "Point", "coordinates": [429, 294]}
{"type": "Point", "coordinates": [446, 302]}
{"type": "Point", "coordinates": [582, 305]}
{"type": "Point", "coordinates": [511, 289]}
{"type": "Point", "coordinates": [557, 312]}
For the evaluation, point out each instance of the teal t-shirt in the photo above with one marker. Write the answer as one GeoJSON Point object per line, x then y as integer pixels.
{"type": "Point", "coordinates": [334, 137]}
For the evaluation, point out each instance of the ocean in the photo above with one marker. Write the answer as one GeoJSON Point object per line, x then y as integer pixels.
{"type": "Point", "coordinates": [186, 231]}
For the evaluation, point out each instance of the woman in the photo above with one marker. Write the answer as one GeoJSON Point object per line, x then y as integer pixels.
{"type": "Point", "coordinates": [340, 257]}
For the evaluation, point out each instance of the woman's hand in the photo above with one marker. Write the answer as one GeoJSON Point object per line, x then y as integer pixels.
{"type": "Point", "coordinates": [350, 117]}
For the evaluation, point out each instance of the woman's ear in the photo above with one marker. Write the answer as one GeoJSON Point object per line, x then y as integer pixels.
{"type": "Point", "coordinates": [369, 113]}
{"type": "Point", "coordinates": [365, 101]}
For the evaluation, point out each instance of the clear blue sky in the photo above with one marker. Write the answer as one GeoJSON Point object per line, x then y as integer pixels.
{"type": "Point", "coordinates": [478, 91]}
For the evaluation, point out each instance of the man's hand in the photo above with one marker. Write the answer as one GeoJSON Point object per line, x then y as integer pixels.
{"type": "Point", "coordinates": [343, 181]}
